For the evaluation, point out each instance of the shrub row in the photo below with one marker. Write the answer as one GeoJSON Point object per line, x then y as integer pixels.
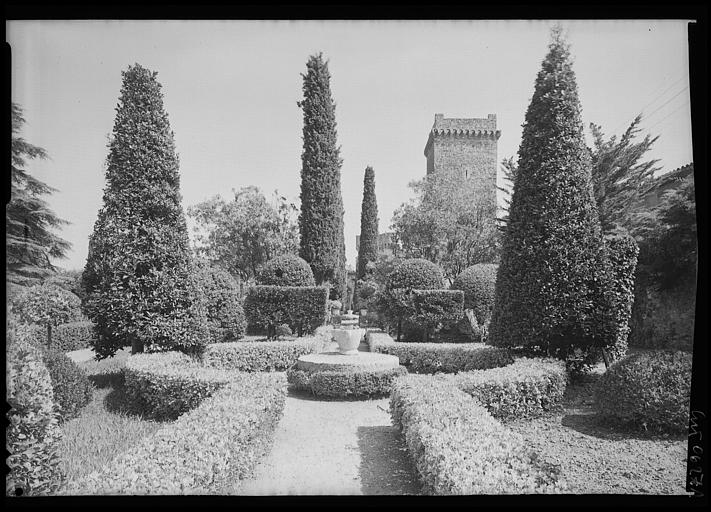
{"type": "Point", "coordinates": [264, 356]}
{"type": "Point", "coordinates": [205, 451]}
{"type": "Point", "coordinates": [439, 357]}
{"type": "Point", "coordinates": [70, 386]}
{"type": "Point", "coordinates": [459, 448]}
{"type": "Point", "coordinates": [33, 434]}
{"type": "Point", "coordinates": [647, 391]}
{"type": "Point", "coordinates": [435, 307]}
{"type": "Point", "coordinates": [66, 337]}
{"type": "Point", "coordinates": [166, 385]}
{"type": "Point", "coordinates": [525, 389]}
{"type": "Point", "coordinates": [347, 383]}
{"type": "Point", "coordinates": [302, 308]}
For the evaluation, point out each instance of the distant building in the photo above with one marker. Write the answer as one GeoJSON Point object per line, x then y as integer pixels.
{"type": "Point", "coordinates": [668, 181]}
{"type": "Point", "coordinates": [385, 247]}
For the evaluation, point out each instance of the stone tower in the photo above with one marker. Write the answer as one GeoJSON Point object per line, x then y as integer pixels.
{"type": "Point", "coordinates": [466, 148]}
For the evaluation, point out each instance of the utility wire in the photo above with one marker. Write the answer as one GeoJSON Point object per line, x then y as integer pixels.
{"type": "Point", "coordinates": [656, 97]}
{"type": "Point", "coordinates": [668, 115]}
{"type": "Point", "coordinates": [666, 102]}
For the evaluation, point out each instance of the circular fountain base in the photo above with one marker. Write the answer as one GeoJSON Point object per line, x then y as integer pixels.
{"type": "Point", "coordinates": [336, 375]}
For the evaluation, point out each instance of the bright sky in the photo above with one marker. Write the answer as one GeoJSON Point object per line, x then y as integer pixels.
{"type": "Point", "coordinates": [231, 87]}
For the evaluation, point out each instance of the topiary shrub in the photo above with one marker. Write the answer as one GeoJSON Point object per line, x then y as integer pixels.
{"type": "Point", "coordinates": [287, 270]}
{"type": "Point", "coordinates": [346, 383]}
{"type": "Point", "coordinates": [47, 305]}
{"type": "Point", "coordinates": [303, 308]}
{"type": "Point", "coordinates": [33, 434]}
{"type": "Point", "coordinates": [647, 390]}
{"type": "Point", "coordinates": [436, 307]}
{"type": "Point", "coordinates": [66, 337]}
{"type": "Point", "coordinates": [478, 283]}
{"type": "Point", "coordinates": [396, 299]}
{"type": "Point", "coordinates": [225, 315]}
{"type": "Point", "coordinates": [70, 385]}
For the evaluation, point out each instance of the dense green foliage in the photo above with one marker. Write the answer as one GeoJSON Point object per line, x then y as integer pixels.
{"type": "Point", "coordinates": [439, 357]}
{"type": "Point", "coordinates": [30, 241]}
{"type": "Point", "coordinates": [345, 383]}
{"type": "Point", "coordinates": [551, 288]}
{"type": "Point", "coordinates": [70, 280]}
{"type": "Point", "coordinates": [302, 308]}
{"type": "Point", "coordinates": [622, 253]}
{"type": "Point", "coordinates": [321, 218]}
{"type": "Point", "coordinates": [70, 385]}
{"type": "Point", "coordinates": [286, 270]}
{"type": "Point", "coordinates": [33, 433]}
{"type": "Point", "coordinates": [433, 308]}
{"type": "Point", "coordinates": [47, 306]}
{"type": "Point", "coordinates": [225, 316]}
{"type": "Point", "coordinates": [139, 279]}
{"type": "Point", "coordinates": [368, 250]}
{"type": "Point", "coordinates": [447, 224]}
{"type": "Point", "coordinates": [243, 234]}
{"type": "Point", "coordinates": [459, 448]}
{"type": "Point", "coordinates": [66, 337]}
{"type": "Point", "coordinates": [650, 391]}
{"type": "Point", "coordinates": [478, 283]}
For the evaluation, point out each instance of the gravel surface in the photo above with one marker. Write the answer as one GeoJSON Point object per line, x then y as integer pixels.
{"type": "Point", "coordinates": [79, 356]}
{"type": "Point", "coordinates": [334, 448]}
{"type": "Point", "coordinates": [599, 459]}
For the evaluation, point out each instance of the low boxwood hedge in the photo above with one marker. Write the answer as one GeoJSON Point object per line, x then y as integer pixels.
{"type": "Point", "coordinates": [647, 391]}
{"type": "Point", "coordinates": [264, 356]}
{"type": "Point", "coordinates": [209, 449]}
{"type": "Point", "coordinates": [458, 447]}
{"type": "Point", "coordinates": [346, 383]}
{"type": "Point", "coordinates": [70, 384]}
{"type": "Point", "coordinates": [439, 357]}
{"type": "Point", "coordinates": [525, 389]}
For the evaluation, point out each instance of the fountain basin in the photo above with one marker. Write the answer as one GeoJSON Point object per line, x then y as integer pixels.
{"type": "Point", "coordinates": [348, 340]}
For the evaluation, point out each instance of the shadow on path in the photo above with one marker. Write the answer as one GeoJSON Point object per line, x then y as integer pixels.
{"type": "Point", "coordinates": [385, 464]}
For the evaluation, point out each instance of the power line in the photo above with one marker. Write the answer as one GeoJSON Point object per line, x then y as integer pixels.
{"type": "Point", "coordinates": [668, 115]}
{"type": "Point", "coordinates": [656, 97]}
{"type": "Point", "coordinates": [666, 102]}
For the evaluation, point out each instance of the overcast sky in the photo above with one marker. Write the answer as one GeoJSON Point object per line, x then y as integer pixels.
{"type": "Point", "coordinates": [230, 89]}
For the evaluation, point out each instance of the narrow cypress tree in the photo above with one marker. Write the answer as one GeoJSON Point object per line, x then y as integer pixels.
{"type": "Point", "coordinates": [368, 250]}
{"type": "Point", "coordinates": [139, 280]}
{"type": "Point", "coordinates": [321, 217]}
{"type": "Point", "coordinates": [552, 281]}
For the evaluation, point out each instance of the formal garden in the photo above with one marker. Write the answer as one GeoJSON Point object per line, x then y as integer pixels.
{"type": "Point", "coordinates": [507, 362]}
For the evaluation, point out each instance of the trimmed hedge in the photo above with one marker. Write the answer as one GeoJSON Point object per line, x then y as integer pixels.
{"type": "Point", "coordinates": [66, 337]}
{"type": "Point", "coordinates": [225, 315]}
{"type": "Point", "coordinates": [528, 388]}
{"type": "Point", "coordinates": [70, 385]}
{"type": "Point", "coordinates": [650, 391]}
{"type": "Point", "coordinates": [209, 450]}
{"type": "Point", "coordinates": [347, 383]}
{"type": "Point", "coordinates": [33, 434]}
{"type": "Point", "coordinates": [439, 357]}
{"type": "Point", "coordinates": [478, 283]}
{"type": "Point", "coordinates": [287, 270]}
{"type": "Point", "coordinates": [434, 307]}
{"type": "Point", "coordinates": [458, 448]}
{"type": "Point", "coordinates": [303, 309]}
{"type": "Point", "coordinates": [165, 385]}
{"type": "Point", "coordinates": [260, 356]}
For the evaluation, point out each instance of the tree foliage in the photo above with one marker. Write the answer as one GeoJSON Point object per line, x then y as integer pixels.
{"type": "Point", "coordinates": [446, 225]}
{"type": "Point", "coordinates": [30, 223]}
{"type": "Point", "coordinates": [139, 278]}
{"type": "Point", "coordinates": [368, 250]}
{"type": "Point", "coordinates": [551, 288]}
{"type": "Point", "coordinates": [46, 304]}
{"type": "Point", "coordinates": [243, 234]}
{"type": "Point", "coordinates": [321, 218]}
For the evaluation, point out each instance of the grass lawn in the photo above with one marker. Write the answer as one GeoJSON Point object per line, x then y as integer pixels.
{"type": "Point", "coordinates": [107, 426]}
{"type": "Point", "coordinates": [601, 459]}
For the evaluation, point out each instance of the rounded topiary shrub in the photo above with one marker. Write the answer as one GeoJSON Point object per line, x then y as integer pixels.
{"type": "Point", "coordinates": [33, 434]}
{"type": "Point", "coordinates": [286, 270]}
{"type": "Point", "coordinates": [415, 274]}
{"type": "Point", "coordinates": [647, 390]}
{"type": "Point", "coordinates": [225, 315]}
{"type": "Point", "coordinates": [70, 385]}
{"type": "Point", "coordinates": [478, 283]}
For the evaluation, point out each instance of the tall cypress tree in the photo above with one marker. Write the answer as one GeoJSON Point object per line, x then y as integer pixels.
{"type": "Point", "coordinates": [321, 218]}
{"type": "Point", "coordinates": [551, 285]}
{"type": "Point", "coordinates": [139, 280]}
{"type": "Point", "coordinates": [368, 250]}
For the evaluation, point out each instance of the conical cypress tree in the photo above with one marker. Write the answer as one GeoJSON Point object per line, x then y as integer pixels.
{"type": "Point", "coordinates": [552, 281]}
{"type": "Point", "coordinates": [368, 250]}
{"type": "Point", "coordinates": [139, 280]}
{"type": "Point", "coordinates": [321, 218]}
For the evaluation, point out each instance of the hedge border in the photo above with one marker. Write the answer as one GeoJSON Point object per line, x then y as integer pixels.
{"type": "Point", "coordinates": [439, 357]}
{"type": "Point", "coordinates": [348, 383]}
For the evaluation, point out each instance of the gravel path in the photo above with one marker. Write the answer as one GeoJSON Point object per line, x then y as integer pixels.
{"type": "Point", "coordinates": [335, 448]}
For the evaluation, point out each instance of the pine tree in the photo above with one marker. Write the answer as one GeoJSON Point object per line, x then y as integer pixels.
{"type": "Point", "coordinates": [321, 218]}
{"type": "Point", "coordinates": [139, 277]}
{"type": "Point", "coordinates": [30, 241]}
{"type": "Point", "coordinates": [368, 250]}
{"type": "Point", "coordinates": [551, 288]}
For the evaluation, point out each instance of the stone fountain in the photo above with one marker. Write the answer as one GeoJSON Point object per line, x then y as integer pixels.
{"type": "Point", "coordinates": [348, 335]}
